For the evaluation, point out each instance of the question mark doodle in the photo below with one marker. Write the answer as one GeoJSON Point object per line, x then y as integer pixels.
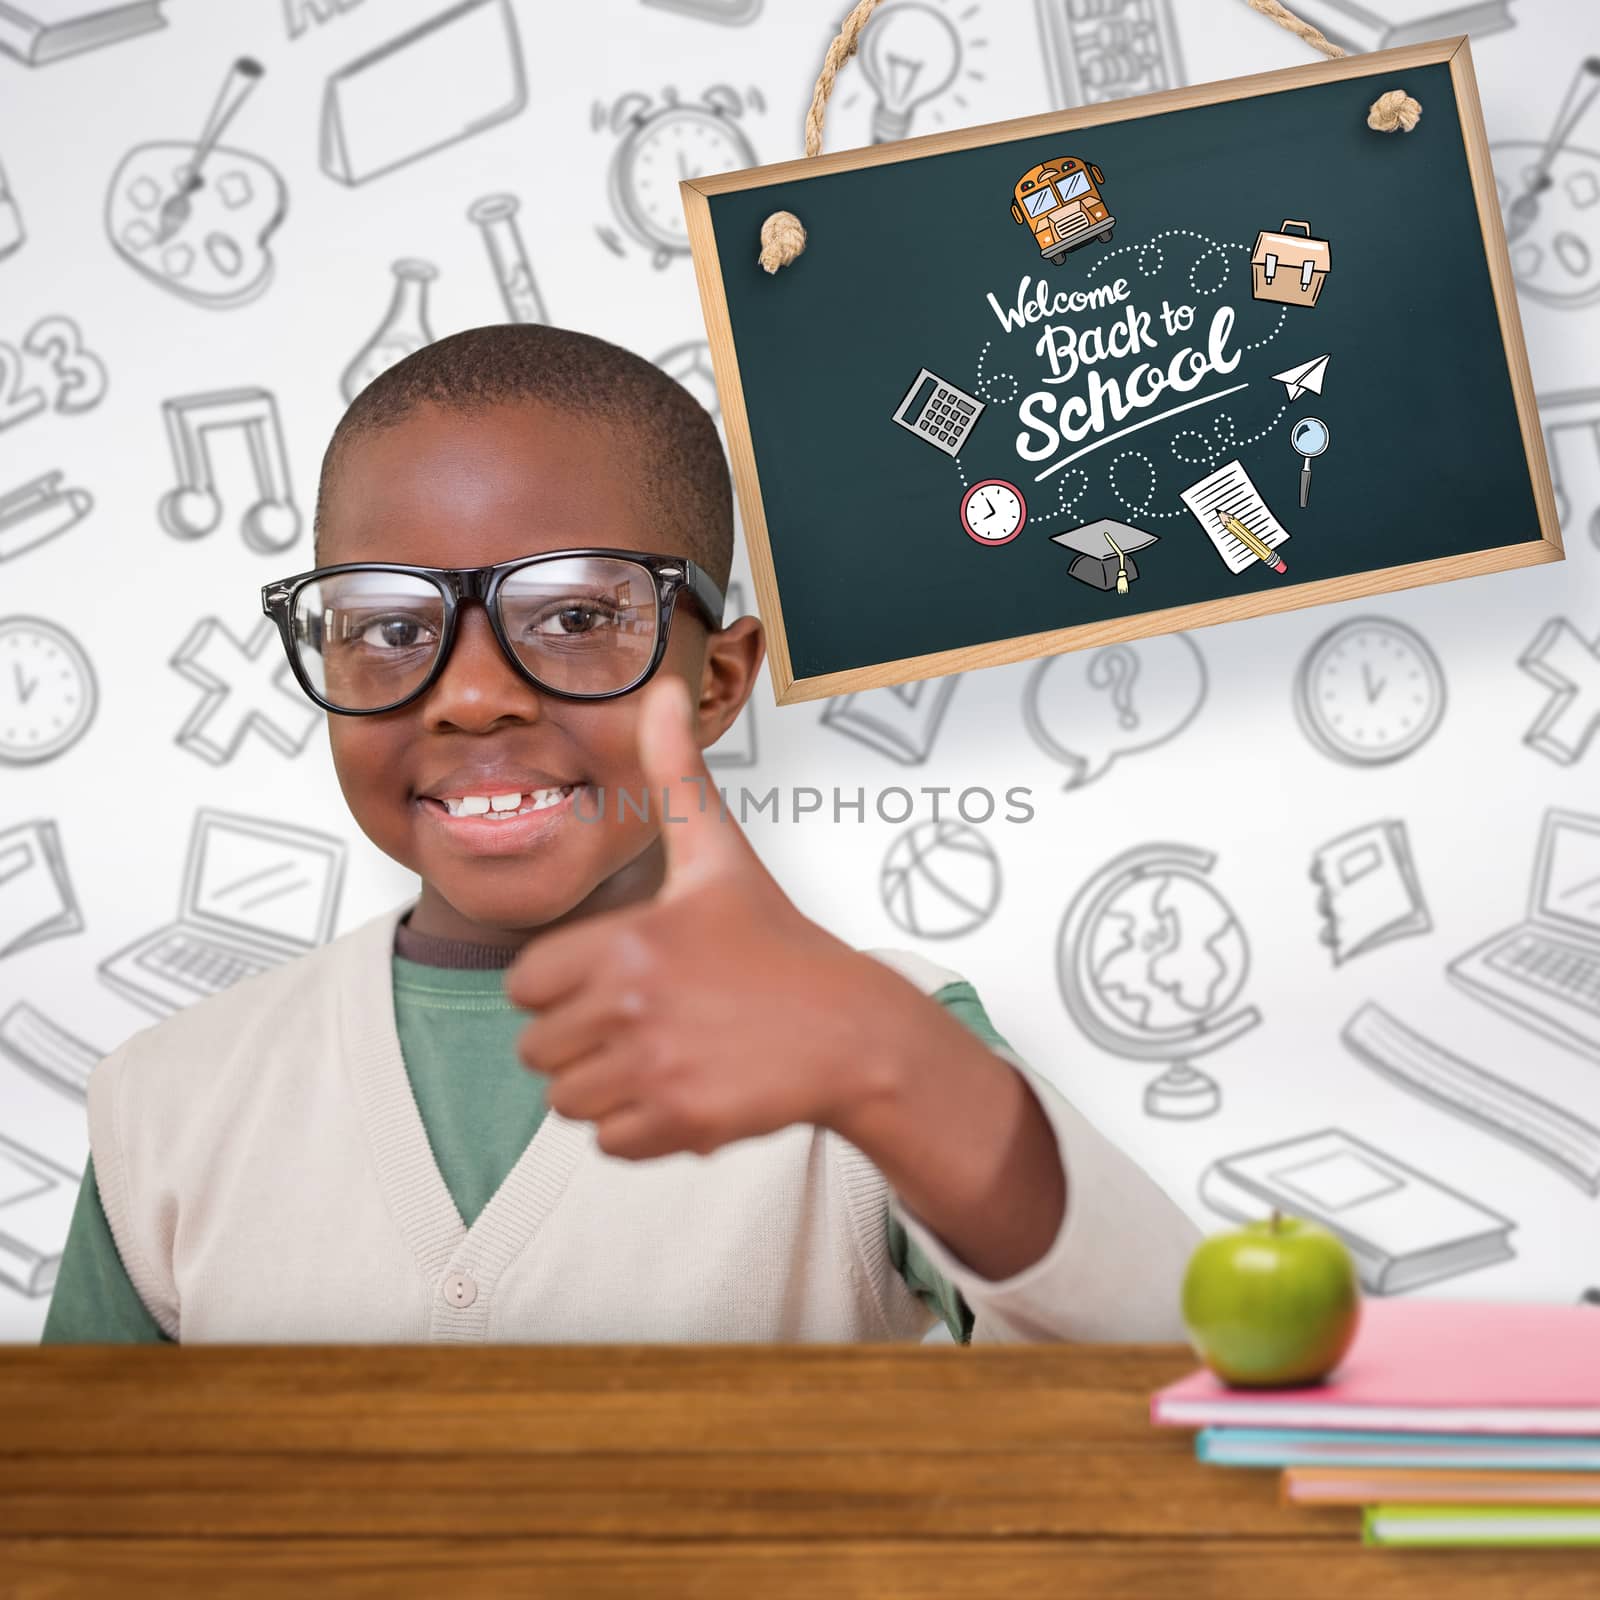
{"type": "Point", "coordinates": [1115, 669]}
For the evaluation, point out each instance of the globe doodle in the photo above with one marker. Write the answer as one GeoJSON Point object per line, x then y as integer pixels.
{"type": "Point", "coordinates": [1151, 960]}
{"type": "Point", "coordinates": [1166, 952]}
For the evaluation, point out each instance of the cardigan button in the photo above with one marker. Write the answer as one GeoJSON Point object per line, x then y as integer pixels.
{"type": "Point", "coordinates": [460, 1289]}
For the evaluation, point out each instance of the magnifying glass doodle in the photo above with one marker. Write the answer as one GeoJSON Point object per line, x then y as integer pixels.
{"type": "Point", "coordinates": [1310, 437]}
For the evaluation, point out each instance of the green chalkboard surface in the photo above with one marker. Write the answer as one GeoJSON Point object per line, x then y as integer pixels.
{"type": "Point", "coordinates": [1102, 373]}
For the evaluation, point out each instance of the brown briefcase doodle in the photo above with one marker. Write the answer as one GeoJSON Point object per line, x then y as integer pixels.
{"type": "Point", "coordinates": [1289, 266]}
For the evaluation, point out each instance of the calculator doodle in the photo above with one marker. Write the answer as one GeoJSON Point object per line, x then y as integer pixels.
{"type": "Point", "coordinates": [938, 412]}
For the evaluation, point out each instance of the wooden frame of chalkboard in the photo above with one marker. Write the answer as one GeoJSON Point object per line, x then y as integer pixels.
{"type": "Point", "coordinates": [1384, 69]}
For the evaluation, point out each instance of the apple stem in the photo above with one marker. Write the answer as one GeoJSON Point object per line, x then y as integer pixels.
{"type": "Point", "coordinates": [1277, 1217]}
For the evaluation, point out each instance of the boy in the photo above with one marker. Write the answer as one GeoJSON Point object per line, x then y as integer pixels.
{"type": "Point", "coordinates": [720, 1122]}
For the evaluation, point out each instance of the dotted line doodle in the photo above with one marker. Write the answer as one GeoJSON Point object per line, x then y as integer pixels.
{"type": "Point", "coordinates": [1143, 250]}
{"type": "Point", "coordinates": [984, 387]}
{"type": "Point", "coordinates": [1277, 328]}
{"type": "Point", "coordinates": [1066, 505]}
{"type": "Point", "coordinates": [1140, 509]}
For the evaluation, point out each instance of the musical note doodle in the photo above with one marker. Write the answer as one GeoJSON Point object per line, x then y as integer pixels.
{"type": "Point", "coordinates": [1571, 424]}
{"type": "Point", "coordinates": [194, 508]}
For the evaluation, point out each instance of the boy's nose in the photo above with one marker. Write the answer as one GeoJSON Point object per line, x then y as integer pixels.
{"type": "Point", "coordinates": [477, 681]}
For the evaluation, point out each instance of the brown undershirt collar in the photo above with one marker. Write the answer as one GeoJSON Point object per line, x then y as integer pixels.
{"type": "Point", "coordinates": [435, 952]}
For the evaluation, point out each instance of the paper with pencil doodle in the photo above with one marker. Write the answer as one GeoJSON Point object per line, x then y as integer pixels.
{"type": "Point", "coordinates": [1229, 492]}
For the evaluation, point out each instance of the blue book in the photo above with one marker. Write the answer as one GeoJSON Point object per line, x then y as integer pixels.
{"type": "Point", "coordinates": [1344, 1447]}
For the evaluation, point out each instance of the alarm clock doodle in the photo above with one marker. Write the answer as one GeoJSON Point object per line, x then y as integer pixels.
{"type": "Point", "coordinates": [658, 145]}
{"type": "Point", "coordinates": [1158, 373]}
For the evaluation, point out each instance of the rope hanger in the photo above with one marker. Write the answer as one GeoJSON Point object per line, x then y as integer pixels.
{"type": "Point", "coordinates": [783, 235]}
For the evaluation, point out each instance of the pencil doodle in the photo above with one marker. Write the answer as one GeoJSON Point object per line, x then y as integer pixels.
{"type": "Point", "coordinates": [39, 510]}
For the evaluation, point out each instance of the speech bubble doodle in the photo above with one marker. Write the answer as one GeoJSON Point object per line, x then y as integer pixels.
{"type": "Point", "coordinates": [1091, 707]}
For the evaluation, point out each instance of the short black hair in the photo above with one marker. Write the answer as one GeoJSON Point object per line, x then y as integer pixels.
{"type": "Point", "coordinates": [682, 466]}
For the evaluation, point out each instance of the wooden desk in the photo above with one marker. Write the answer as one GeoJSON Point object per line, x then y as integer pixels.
{"type": "Point", "coordinates": [759, 1472]}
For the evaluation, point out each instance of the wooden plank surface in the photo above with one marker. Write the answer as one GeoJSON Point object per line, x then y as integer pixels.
{"type": "Point", "coordinates": [642, 1470]}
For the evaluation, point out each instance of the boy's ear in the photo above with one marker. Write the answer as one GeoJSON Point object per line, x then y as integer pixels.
{"type": "Point", "coordinates": [733, 660]}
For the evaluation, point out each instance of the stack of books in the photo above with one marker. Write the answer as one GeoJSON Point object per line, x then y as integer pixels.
{"type": "Point", "coordinates": [1449, 1422]}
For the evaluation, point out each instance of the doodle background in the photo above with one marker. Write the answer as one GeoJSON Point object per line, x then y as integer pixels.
{"type": "Point", "coordinates": [1234, 775]}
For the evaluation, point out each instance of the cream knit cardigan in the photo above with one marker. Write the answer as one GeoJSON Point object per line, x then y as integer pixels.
{"type": "Point", "coordinates": [267, 1178]}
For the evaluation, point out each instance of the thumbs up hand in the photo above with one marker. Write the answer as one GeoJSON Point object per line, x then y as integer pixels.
{"type": "Point", "coordinates": [714, 1011]}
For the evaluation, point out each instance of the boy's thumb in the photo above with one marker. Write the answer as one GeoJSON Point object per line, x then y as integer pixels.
{"type": "Point", "coordinates": [697, 838]}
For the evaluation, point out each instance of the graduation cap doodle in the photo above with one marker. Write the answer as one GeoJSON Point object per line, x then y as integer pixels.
{"type": "Point", "coordinates": [1104, 553]}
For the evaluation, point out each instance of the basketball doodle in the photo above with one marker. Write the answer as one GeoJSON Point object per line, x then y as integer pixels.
{"type": "Point", "coordinates": [940, 880]}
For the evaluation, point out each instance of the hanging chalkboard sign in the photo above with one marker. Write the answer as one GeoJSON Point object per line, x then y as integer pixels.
{"type": "Point", "coordinates": [1121, 370]}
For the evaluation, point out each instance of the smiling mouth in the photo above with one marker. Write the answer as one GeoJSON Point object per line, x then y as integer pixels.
{"type": "Point", "coordinates": [500, 808]}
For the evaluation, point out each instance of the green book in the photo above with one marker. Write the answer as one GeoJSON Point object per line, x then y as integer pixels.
{"type": "Point", "coordinates": [1480, 1525]}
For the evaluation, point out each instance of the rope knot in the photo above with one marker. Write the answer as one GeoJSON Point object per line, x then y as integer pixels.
{"type": "Point", "coordinates": [783, 237]}
{"type": "Point", "coordinates": [1394, 109]}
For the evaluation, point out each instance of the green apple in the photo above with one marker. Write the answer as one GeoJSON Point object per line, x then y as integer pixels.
{"type": "Point", "coordinates": [1272, 1305]}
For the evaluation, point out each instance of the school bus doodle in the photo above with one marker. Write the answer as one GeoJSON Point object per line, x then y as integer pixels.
{"type": "Point", "coordinates": [1061, 201]}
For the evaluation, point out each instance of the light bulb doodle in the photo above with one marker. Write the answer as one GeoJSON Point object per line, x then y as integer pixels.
{"type": "Point", "coordinates": [909, 55]}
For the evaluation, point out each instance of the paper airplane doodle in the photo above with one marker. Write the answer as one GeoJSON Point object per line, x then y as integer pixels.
{"type": "Point", "coordinates": [1305, 378]}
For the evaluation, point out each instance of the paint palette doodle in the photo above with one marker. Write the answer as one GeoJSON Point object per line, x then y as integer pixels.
{"type": "Point", "coordinates": [195, 217]}
{"type": "Point", "coordinates": [218, 255]}
{"type": "Point", "coordinates": [1557, 258]}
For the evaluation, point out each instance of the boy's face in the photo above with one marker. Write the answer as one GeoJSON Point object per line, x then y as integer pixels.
{"type": "Point", "coordinates": [444, 489]}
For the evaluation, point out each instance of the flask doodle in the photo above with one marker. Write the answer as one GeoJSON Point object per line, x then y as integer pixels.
{"type": "Point", "coordinates": [1088, 708]}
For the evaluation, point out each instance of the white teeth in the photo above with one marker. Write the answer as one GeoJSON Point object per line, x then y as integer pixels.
{"type": "Point", "coordinates": [477, 805]}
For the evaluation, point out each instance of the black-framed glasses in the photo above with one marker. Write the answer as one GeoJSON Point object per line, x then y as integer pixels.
{"type": "Point", "coordinates": [584, 624]}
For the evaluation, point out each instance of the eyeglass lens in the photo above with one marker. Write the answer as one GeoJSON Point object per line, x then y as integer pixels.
{"type": "Point", "coordinates": [581, 625]}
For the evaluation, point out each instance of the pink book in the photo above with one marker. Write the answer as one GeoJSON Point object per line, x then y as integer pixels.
{"type": "Point", "coordinates": [1432, 1366]}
